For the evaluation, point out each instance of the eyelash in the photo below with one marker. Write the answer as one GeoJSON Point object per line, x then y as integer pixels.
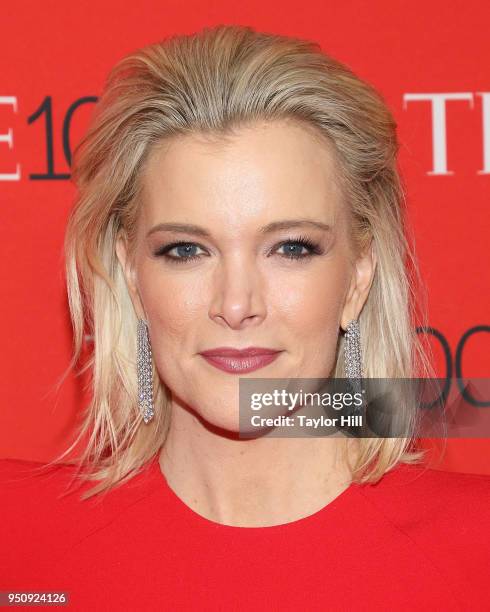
{"type": "Point", "coordinates": [303, 241]}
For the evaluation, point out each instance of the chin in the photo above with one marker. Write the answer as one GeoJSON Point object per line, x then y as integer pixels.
{"type": "Point", "coordinates": [221, 422]}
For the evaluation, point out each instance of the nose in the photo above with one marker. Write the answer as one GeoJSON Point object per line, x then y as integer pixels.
{"type": "Point", "coordinates": [238, 294]}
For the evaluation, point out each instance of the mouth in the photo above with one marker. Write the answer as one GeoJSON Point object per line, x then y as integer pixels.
{"type": "Point", "coordinates": [240, 361]}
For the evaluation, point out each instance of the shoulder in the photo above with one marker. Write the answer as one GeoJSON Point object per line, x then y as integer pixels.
{"type": "Point", "coordinates": [43, 513]}
{"type": "Point", "coordinates": [444, 517]}
{"type": "Point", "coordinates": [36, 520]}
{"type": "Point", "coordinates": [21, 479]}
{"type": "Point", "coordinates": [38, 499]}
{"type": "Point", "coordinates": [44, 516]}
{"type": "Point", "coordinates": [58, 488]}
{"type": "Point", "coordinates": [415, 488]}
{"type": "Point", "coordinates": [24, 483]}
{"type": "Point", "coordinates": [436, 508]}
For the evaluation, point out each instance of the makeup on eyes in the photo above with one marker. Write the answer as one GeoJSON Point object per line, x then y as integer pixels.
{"type": "Point", "coordinates": [298, 242]}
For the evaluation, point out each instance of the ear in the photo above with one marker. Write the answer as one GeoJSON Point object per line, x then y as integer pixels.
{"type": "Point", "coordinates": [361, 281]}
{"type": "Point", "coordinates": [129, 274]}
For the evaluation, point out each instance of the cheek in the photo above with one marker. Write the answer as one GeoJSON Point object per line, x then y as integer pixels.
{"type": "Point", "coordinates": [172, 303]}
{"type": "Point", "coordinates": [174, 307]}
{"type": "Point", "coordinates": [311, 300]}
{"type": "Point", "coordinates": [309, 305]}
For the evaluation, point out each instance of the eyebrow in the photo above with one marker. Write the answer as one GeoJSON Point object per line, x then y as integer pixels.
{"type": "Point", "coordinates": [284, 224]}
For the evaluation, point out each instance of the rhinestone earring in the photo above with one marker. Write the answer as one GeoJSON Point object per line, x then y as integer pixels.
{"type": "Point", "coordinates": [352, 352]}
{"type": "Point", "coordinates": [145, 372]}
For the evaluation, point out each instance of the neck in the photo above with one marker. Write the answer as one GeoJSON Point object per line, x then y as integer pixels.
{"type": "Point", "coordinates": [256, 482]}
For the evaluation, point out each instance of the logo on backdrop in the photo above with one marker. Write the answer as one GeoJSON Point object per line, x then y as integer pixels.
{"type": "Point", "coordinates": [454, 365]}
{"type": "Point", "coordinates": [13, 171]}
{"type": "Point", "coordinates": [43, 113]}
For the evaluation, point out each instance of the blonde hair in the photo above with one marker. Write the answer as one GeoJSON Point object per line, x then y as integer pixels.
{"type": "Point", "coordinates": [210, 83]}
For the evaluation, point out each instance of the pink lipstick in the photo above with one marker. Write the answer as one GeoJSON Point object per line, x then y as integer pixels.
{"type": "Point", "coordinates": [240, 361]}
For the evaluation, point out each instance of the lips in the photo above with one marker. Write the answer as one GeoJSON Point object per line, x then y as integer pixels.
{"type": "Point", "coordinates": [225, 351]}
{"type": "Point", "coordinates": [240, 360]}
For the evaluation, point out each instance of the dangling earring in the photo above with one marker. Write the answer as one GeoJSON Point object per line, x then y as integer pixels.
{"type": "Point", "coordinates": [353, 356]}
{"type": "Point", "coordinates": [145, 372]}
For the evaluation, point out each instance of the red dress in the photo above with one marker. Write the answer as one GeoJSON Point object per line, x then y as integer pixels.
{"type": "Point", "coordinates": [419, 539]}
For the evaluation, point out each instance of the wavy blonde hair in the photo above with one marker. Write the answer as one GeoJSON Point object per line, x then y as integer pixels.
{"type": "Point", "coordinates": [211, 83]}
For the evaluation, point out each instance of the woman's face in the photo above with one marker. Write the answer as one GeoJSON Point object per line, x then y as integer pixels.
{"type": "Point", "coordinates": [265, 264]}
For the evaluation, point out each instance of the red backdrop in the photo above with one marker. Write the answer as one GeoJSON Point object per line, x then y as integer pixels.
{"type": "Point", "coordinates": [430, 60]}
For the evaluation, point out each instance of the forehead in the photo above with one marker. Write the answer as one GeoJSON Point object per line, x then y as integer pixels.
{"type": "Point", "coordinates": [261, 172]}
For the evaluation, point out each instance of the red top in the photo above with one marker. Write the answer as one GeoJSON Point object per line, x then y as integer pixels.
{"type": "Point", "coordinates": [417, 540]}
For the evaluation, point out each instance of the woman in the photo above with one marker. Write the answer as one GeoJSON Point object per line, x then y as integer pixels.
{"type": "Point", "coordinates": [240, 215]}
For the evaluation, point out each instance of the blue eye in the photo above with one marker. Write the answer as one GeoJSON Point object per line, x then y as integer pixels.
{"type": "Point", "coordinates": [296, 246]}
{"type": "Point", "coordinates": [186, 251]}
